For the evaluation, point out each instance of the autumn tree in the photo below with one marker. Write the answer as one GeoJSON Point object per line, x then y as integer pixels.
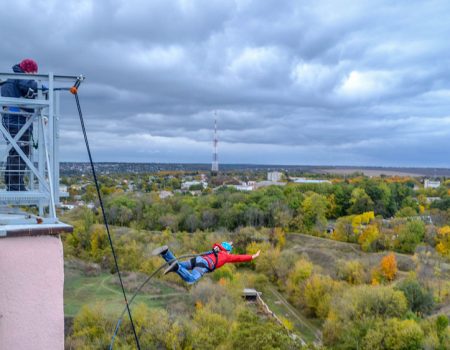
{"type": "Point", "coordinates": [209, 329]}
{"type": "Point", "coordinates": [443, 239]}
{"type": "Point", "coordinates": [314, 209]}
{"type": "Point", "coordinates": [358, 311]}
{"type": "Point", "coordinates": [297, 278]}
{"type": "Point", "coordinates": [318, 292]}
{"type": "Point", "coordinates": [388, 267]}
{"type": "Point", "coordinates": [368, 238]}
{"type": "Point", "coordinates": [351, 271]}
{"type": "Point", "coordinates": [252, 332]}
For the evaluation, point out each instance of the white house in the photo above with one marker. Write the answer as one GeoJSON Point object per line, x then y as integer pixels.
{"type": "Point", "coordinates": [274, 176]}
{"type": "Point", "coordinates": [431, 183]}
{"type": "Point", "coordinates": [303, 180]}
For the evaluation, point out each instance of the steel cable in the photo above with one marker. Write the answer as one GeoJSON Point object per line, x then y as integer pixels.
{"type": "Point", "coordinates": [104, 218]}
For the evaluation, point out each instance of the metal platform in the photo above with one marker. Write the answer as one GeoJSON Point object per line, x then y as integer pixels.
{"type": "Point", "coordinates": [23, 198]}
{"type": "Point", "coordinates": [20, 224]}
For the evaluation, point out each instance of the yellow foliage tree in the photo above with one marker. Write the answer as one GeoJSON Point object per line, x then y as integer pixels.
{"type": "Point", "coordinates": [367, 217]}
{"type": "Point", "coordinates": [279, 237]}
{"type": "Point", "coordinates": [368, 237]}
{"type": "Point", "coordinates": [359, 221]}
{"type": "Point", "coordinates": [443, 237]}
{"type": "Point", "coordinates": [388, 267]}
{"type": "Point", "coordinates": [356, 223]}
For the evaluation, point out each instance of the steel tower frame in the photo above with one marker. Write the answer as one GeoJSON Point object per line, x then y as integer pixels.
{"type": "Point", "coordinates": [43, 164]}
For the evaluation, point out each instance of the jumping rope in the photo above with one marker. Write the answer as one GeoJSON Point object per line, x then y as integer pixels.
{"type": "Point", "coordinates": [74, 91]}
{"type": "Point", "coordinates": [116, 329]}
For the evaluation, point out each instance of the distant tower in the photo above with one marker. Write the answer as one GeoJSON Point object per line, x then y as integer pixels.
{"type": "Point", "coordinates": [215, 162]}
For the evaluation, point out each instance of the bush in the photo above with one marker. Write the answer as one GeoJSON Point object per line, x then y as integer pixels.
{"type": "Point", "coordinates": [420, 300]}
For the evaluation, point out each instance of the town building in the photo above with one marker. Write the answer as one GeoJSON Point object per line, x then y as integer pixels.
{"type": "Point", "coordinates": [274, 176]}
{"type": "Point", "coordinates": [431, 183]}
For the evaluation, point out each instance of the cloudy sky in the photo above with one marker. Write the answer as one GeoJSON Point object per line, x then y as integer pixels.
{"type": "Point", "coordinates": [292, 82]}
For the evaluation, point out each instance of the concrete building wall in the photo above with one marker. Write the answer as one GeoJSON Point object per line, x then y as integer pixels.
{"type": "Point", "coordinates": [31, 293]}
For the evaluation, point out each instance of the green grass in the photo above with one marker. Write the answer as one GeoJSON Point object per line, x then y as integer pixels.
{"type": "Point", "coordinates": [80, 290]}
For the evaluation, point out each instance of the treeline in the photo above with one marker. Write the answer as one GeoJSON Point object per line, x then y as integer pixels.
{"type": "Point", "coordinates": [340, 209]}
{"type": "Point", "coordinates": [295, 206]}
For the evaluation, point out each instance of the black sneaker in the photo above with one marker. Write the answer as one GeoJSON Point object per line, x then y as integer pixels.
{"type": "Point", "coordinates": [172, 268]}
{"type": "Point", "coordinates": [160, 250]}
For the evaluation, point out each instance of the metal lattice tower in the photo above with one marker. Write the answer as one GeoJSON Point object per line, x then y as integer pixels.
{"type": "Point", "coordinates": [215, 162]}
{"type": "Point", "coordinates": [40, 173]}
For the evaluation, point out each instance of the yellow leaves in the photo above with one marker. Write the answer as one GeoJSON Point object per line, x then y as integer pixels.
{"type": "Point", "coordinates": [222, 281]}
{"type": "Point", "coordinates": [443, 231]}
{"type": "Point", "coordinates": [302, 271]}
{"type": "Point", "coordinates": [443, 238]}
{"type": "Point", "coordinates": [359, 221]}
{"type": "Point", "coordinates": [375, 281]}
{"type": "Point", "coordinates": [368, 237]}
{"type": "Point", "coordinates": [386, 271]}
{"type": "Point", "coordinates": [318, 293]}
{"type": "Point", "coordinates": [367, 217]}
{"type": "Point", "coordinates": [351, 271]}
{"type": "Point", "coordinates": [388, 267]}
{"type": "Point", "coordinates": [280, 237]}
{"type": "Point", "coordinates": [287, 324]}
{"type": "Point", "coordinates": [356, 223]}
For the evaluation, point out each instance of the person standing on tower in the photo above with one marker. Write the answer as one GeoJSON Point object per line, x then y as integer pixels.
{"type": "Point", "coordinates": [15, 165]}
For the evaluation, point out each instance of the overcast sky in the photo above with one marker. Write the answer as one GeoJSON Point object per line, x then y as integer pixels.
{"type": "Point", "coordinates": [292, 82]}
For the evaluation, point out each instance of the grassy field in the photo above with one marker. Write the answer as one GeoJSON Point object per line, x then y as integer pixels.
{"type": "Point", "coordinates": [80, 290]}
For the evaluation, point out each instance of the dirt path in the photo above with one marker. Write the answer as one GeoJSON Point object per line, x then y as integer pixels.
{"type": "Point", "coordinates": [297, 315]}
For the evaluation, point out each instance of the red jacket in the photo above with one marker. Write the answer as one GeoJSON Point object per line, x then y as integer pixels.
{"type": "Point", "coordinates": [224, 257]}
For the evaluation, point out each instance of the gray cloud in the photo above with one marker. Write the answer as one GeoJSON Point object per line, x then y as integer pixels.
{"type": "Point", "coordinates": [324, 82]}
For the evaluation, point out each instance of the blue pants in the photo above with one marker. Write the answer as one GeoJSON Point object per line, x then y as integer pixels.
{"type": "Point", "coordinates": [185, 270]}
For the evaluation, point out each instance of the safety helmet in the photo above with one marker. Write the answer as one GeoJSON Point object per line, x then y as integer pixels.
{"type": "Point", "coordinates": [227, 246]}
{"type": "Point", "coordinates": [28, 65]}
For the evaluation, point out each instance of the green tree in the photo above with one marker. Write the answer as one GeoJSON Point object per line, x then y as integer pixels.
{"type": "Point", "coordinates": [358, 310]}
{"type": "Point", "coordinates": [351, 271]}
{"type": "Point", "coordinates": [410, 235]}
{"type": "Point", "coordinates": [91, 329]}
{"type": "Point", "coordinates": [209, 329]}
{"type": "Point", "coordinates": [403, 335]}
{"type": "Point", "coordinates": [420, 300]}
{"type": "Point", "coordinates": [251, 332]}
{"type": "Point", "coordinates": [314, 209]}
{"type": "Point", "coordinates": [319, 290]}
{"type": "Point", "coordinates": [361, 202]}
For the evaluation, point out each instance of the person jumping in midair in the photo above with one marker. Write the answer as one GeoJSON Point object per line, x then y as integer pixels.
{"type": "Point", "coordinates": [192, 270]}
